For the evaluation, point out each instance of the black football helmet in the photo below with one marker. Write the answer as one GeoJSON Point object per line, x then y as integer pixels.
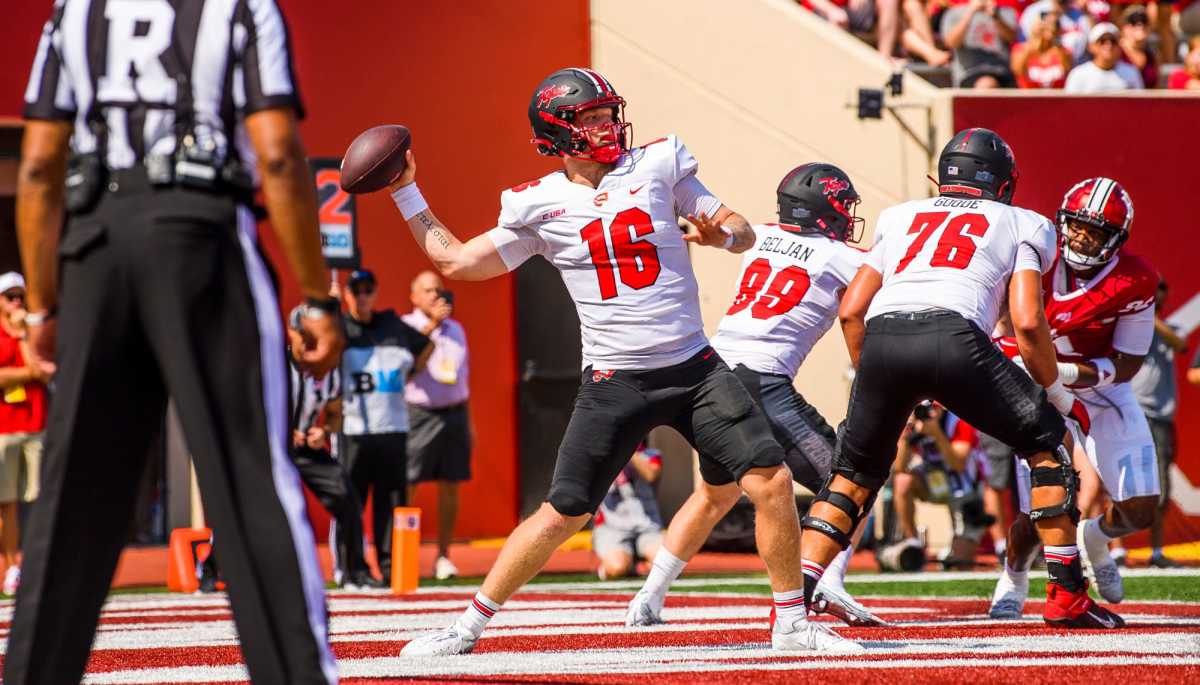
{"type": "Point", "coordinates": [556, 103]}
{"type": "Point", "coordinates": [977, 163]}
{"type": "Point", "coordinates": [820, 198]}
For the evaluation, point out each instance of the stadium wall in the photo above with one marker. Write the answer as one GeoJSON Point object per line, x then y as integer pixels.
{"type": "Point", "coordinates": [363, 64]}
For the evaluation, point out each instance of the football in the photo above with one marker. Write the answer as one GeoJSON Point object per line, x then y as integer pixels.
{"type": "Point", "coordinates": [375, 158]}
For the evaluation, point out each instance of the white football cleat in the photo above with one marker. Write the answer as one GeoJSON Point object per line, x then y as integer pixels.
{"type": "Point", "coordinates": [444, 569]}
{"type": "Point", "coordinates": [834, 601]}
{"type": "Point", "coordinates": [442, 643]}
{"type": "Point", "coordinates": [1008, 599]}
{"type": "Point", "coordinates": [643, 611]}
{"type": "Point", "coordinates": [810, 636]}
{"type": "Point", "coordinates": [1104, 569]}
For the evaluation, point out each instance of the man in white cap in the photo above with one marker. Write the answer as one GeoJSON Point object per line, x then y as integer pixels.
{"type": "Point", "coordinates": [1106, 73]}
{"type": "Point", "coordinates": [22, 420]}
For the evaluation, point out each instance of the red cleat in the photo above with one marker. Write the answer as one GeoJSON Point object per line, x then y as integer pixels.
{"type": "Point", "coordinates": [1066, 609]}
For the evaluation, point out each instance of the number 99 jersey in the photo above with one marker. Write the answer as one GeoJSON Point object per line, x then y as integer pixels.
{"type": "Point", "coordinates": [620, 252]}
{"type": "Point", "coordinates": [787, 299]}
{"type": "Point", "coordinates": [956, 254]}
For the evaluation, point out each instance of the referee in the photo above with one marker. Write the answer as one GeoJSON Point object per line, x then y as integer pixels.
{"type": "Point", "coordinates": [162, 117]}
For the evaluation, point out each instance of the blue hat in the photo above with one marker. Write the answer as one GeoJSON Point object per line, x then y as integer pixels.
{"type": "Point", "coordinates": [361, 276]}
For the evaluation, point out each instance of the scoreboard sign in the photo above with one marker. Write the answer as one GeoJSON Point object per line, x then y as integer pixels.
{"type": "Point", "coordinates": [337, 214]}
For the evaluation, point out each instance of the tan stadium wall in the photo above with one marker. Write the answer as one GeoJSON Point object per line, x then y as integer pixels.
{"type": "Point", "coordinates": [755, 88]}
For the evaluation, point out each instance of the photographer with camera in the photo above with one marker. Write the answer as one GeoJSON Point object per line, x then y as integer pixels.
{"type": "Point", "coordinates": [949, 470]}
{"type": "Point", "coordinates": [440, 438]}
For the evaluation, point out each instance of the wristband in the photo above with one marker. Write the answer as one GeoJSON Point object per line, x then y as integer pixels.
{"type": "Point", "coordinates": [728, 238]}
{"type": "Point", "coordinates": [409, 201]}
{"type": "Point", "coordinates": [318, 307]}
{"type": "Point", "coordinates": [38, 318]}
{"type": "Point", "coordinates": [1105, 370]}
{"type": "Point", "coordinates": [1068, 372]}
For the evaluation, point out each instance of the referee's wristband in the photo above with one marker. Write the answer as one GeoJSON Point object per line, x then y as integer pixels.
{"type": "Point", "coordinates": [39, 318]}
{"type": "Point", "coordinates": [409, 200]}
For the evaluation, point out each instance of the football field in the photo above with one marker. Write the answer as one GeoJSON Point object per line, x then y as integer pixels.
{"type": "Point", "coordinates": [571, 631]}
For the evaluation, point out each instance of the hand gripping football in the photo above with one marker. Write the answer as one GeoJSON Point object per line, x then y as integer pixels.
{"type": "Point", "coordinates": [375, 158]}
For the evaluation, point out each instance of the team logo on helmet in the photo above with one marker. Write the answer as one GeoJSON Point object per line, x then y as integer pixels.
{"type": "Point", "coordinates": [832, 185]}
{"type": "Point", "coordinates": [551, 93]}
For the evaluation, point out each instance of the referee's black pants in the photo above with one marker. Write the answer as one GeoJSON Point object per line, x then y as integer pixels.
{"type": "Point", "coordinates": [330, 482]}
{"type": "Point", "coordinates": [164, 292]}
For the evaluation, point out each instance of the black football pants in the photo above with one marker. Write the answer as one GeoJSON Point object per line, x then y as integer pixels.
{"type": "Point", "coordinates": [378, 464]}
{"type": "Point", "coordinates": [164, 292]}
{"type": "Point", "coordinates": [331, 484]}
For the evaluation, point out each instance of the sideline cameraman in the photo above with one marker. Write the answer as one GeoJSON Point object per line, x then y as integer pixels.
{"type": "Point", "coordinates": [938, 460]}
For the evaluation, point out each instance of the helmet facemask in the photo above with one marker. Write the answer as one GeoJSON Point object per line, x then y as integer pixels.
{"type": "Point", "coordinates": [1071, 239]}
{"type": "Point", "coordinates": [577, 141]}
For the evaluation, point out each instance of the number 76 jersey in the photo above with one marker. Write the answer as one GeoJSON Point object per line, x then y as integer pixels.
{"type": "Point", "coordinates": [956, 254]}
{"type": "Point", "coordinates": [620, 252]}
{"type": "Point", "coordinates": [787, 298]}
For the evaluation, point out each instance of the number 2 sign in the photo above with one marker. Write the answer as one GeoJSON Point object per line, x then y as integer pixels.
{"type": "Point", "coordinates": [337, 215]}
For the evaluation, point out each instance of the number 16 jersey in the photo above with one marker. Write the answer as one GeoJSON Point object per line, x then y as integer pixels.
{"type": "Point", "coordinates": [956, 254]}
{"type": "Point", "coordinates": [620, 252]}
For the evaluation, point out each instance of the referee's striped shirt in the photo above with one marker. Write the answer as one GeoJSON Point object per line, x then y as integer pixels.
{"type": "Point", "coordinates": [121, 61]}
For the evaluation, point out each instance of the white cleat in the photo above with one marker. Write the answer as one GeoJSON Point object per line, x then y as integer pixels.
{"type": "Point", "coordinates": [643, 611]}
{"type": "Point", "coordinates": [442, 643]}
{"type": "Point", "coordinates": [1008, 599]}
{"type": "Point", "coordinates": [444, 569]}
{"type": "Point", "coordinates": [837, 602]}
{"type": "Point", "coordinates": [809, 636]}
{"type": "Point", "coordinates": [1108, 582]}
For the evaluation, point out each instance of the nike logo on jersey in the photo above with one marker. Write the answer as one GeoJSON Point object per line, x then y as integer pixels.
{"type": "Point", "coordinates": [633, 191]}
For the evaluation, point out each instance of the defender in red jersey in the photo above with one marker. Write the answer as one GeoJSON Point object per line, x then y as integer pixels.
{"type": "Point", "coordinates": [1099, 301]}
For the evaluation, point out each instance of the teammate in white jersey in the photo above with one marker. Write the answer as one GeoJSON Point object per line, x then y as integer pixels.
{"type": "Point", "coordinates": [791, 283]}
{"type": "Point", "coordinates": [607, 221]}
{"type": "Point", "coordinates": [917, 319]}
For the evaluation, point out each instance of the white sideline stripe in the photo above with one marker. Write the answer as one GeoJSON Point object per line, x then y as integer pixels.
{"type": "Point", "coordinates": [495, 664]}
{"type": "Point", "coordinates": [283, 471]}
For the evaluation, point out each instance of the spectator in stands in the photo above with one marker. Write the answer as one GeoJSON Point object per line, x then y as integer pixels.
{"type": "Point", "coordinates": [981, 33]}
{"type": "Point", "coordinates": [1188, 78]}
{"type": "Point", "coordinates": [381, 353]}
{"type": "Point", "coordinates": [863, 17]}
{"type": "Point", "coordinates": [1073, 23]}
{"type": "Point", "coordinates": [938, 460]}
{"type": "Point", "coordinates": [1106, 73]}
{"type": "Point", "coordinates": [22, 421]}
{"type": "Point", "coordinates": [917, 37]}
{"type": "Point", "coordinates": [439, 438]}
{"type": "Point", "coordinates": [1135, 46]}
{"type": "Point", "coordinates": [1189, 17]}
{"type": "Point", "coordinates": [628, 525]}
{"type": "Point", "coordinates": [1154, 385]}
{"type": "Point", "coordinates": [1041, 62]}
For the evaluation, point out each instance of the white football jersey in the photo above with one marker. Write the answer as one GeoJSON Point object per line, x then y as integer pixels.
{"type": "Point", "coordinates": [956, 254]}
{"type": "Point", "coordinates": [787, 299]}
{"type": "Point", "coordinates": [620, 251]}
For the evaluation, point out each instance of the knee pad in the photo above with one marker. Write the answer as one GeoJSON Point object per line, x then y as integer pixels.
{"type": "Point", "coordinates": [848, 507]}
{"type": "Point", "coordinates": [1063, 475]}
{"type": "Point", "coordinates": [569, 504]}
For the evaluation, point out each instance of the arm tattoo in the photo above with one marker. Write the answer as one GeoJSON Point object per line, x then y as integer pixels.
{"type": "Point", "coordinates": [433, 229]}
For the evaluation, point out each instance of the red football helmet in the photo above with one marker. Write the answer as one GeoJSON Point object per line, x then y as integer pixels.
{"type": "Point", "coordinates": [1102, 203]}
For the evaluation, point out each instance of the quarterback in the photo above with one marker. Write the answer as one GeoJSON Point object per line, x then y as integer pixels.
{"type": "Point", "coordinates": [608, 222]}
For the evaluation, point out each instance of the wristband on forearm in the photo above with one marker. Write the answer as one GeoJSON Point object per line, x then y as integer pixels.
{"type": "Point", "coordinates": [1068, 373]}
{"type": "Point", "coordinates": [409, 200]}
{"type": "Point", "coordinates": [1105, 370]}
{"type": "Point", "coordinates": [728, 238]}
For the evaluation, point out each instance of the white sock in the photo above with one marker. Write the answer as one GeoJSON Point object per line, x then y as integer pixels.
{"type": "Point", "coordinates": [477, 615]}
{"type": "Point", "coordinates": [790, 608]}
{"type": "Point", "coordinates": [665, 569]}
{"type": "Point", "coordinates": [835, 573]}
{"type": "Point", "coordinates": [1093, 535]}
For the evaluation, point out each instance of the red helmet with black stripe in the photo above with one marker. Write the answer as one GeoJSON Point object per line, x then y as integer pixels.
{"type": "Point", "coordinates": [555, 108]}
{"type": "Point", "coordinates": [1100, 203]}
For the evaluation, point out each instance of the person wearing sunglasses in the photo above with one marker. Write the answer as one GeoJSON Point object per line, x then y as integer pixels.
{"type": "Point", "coordinates": [22, 420]}
{"type": "Point", "coordinates": [1106, 73]}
